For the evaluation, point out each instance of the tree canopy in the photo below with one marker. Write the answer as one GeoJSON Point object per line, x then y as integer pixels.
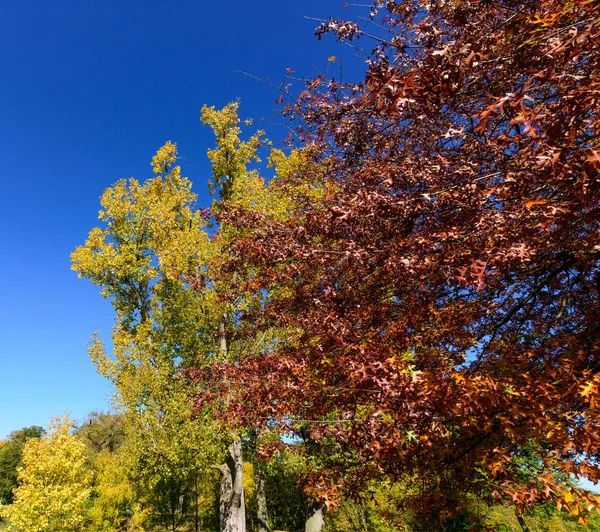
{"type": "Point", "coordinates": [54, 482]}
{"type": "Point", "coordinates": [11, 458]}
{"type": "Point", "coordinates": [442, 295]}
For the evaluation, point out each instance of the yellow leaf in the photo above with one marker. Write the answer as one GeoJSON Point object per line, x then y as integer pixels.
{"type": "Point", "coordinates": [458, 378]}
{"type": "Point", "coordinates": [587, 389]}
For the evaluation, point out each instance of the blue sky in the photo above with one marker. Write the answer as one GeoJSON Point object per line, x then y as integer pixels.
{"type": "Point", "coordinates": [90, 90]}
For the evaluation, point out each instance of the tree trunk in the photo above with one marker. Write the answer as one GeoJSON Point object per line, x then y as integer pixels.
{"type": "Point", "coordinates": [315, 520]}
{"type": "Point", "coordinates": [232, 513]}
{"type": "Point", "coordinates": [261, 500]}
{"type": "Point", "coordinates": [223, 337]}
{"type": "Point", "coordinates": [522, 522]}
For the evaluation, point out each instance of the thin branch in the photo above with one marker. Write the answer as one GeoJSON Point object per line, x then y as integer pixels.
{"type": "Point", "coordinates": [316, 421]}
{"type": "Point", "coordinates": [270, 84]}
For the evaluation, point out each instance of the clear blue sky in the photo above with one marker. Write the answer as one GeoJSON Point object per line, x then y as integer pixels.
{"type": "Point", "coordinates": [89, 91]}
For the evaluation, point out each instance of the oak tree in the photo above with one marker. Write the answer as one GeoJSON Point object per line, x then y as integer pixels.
{"type": "Point", "coordinates": [442, 294]}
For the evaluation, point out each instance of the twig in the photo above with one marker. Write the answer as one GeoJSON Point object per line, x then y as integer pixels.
{"type": "Point", "coordinates": [268, 83]}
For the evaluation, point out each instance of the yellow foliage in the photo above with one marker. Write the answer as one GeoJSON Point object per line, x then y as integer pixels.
{"type": "Point", "coordinates": [248, 480]}
{"type": "Point", "coordinates": [113, 493]}
{"type": "Point", "coordinates": [150, 228]}
{"type": "Point", "coordinates": [152, 241]}
{"type": "Point", "coordinates": [157, 259]}
{"type": "Point", "coordinates": [54, 483]}
{"type": "Point", "coordinates": [165, 156]}
{"type": "Point", "coordinates": [232, 155]}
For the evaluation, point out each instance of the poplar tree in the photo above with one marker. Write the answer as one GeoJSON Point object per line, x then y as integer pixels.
{"type": "Point", "coordinates": [160, 262]}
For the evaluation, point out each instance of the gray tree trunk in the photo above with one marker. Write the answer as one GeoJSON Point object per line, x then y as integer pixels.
{"type": "Point", "coordinates": [315, 520]}
{"type": "Point", "coordinates": [232, 512]}
{"type": "Point", "coordinates": [261, 500]}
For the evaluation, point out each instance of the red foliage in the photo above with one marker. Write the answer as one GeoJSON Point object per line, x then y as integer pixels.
{"type": "Point", "coordinates": [448, 291]}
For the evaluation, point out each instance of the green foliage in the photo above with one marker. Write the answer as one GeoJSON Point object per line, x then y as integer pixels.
{"type": "Point", "coordinates": [10, 460]}
{"type": "Point", "coordinates": [166, 452]}
{"type": "Point", "coordinates": [383, 508]}
{"type": "Point", "coordinates": [287, 502]}
{"type": "Point", "coordinates": [379, 509]}
{"type": "Point", "coordinates": [112, 506]}
{"type": "Point", "coordinates": [102, 432]}
{"type": "Point", "coordinates": [543, 518]}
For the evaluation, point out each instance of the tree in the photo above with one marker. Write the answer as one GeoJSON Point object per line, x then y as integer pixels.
{"type": "Point", "coordinates": [287, 502]}
{"type": "Point", "coordinates": [165, 451]}
{"type": "Point", "coordinates": [152, 237]}
{"type": "Point", "coordinates": [158, 263]}
{"type": "Point", "coordinates": [102, 432]}
{"type": "Point", "coordinates": [242, 189]}
{"type": "Point", "coordinates": [10, 460]}
{"type": "Point", "coordinates": [54, 482]}
{"type": "Point", "coordinates": [114, 507]}
{"type": "Point", "coordinates": [441, 296]}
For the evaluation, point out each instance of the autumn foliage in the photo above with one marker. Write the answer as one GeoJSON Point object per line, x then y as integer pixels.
{"type": "Point", "coordinates": [54, 482]}
{"type": "Point", "coordinates": [441, 298]}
